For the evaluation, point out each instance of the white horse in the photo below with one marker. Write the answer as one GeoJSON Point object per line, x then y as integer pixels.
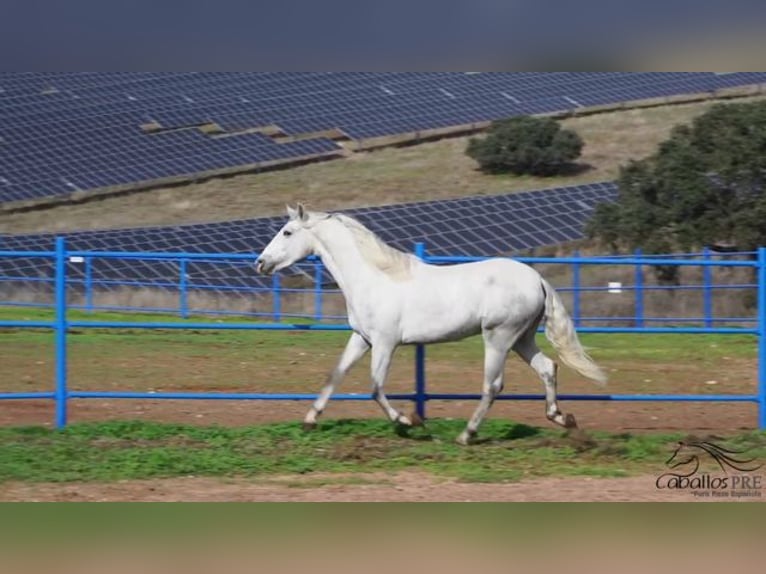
{"type": "Point", "coordinates": [394, 298]}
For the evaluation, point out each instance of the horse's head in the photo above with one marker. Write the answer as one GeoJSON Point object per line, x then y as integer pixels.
{"type": "Point", "coordinates": [684, 454]}
{"type": "Point", "coordinates": [697, 453]}
{"type": "Point", "coordinates": [292, 243]}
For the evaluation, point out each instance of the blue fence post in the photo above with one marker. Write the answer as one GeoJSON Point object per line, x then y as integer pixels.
{"type": "Point", "coordinates": [420, 358]}
{"type": "Point", "coordinates": [420, 381]}
{"type": "Point", "coordinates": [639, 289]}
{"type": "Point", "coordinates": [576, 290]}
{"type": "Point", "coordinates": [707, 290]}
{"type": "Point", "coordinates": [62, 394]}
{"type": "Point", "coordinates": [420, 251]}
{"type": "Point", "coordinates": [89, 284]}
{"type": "Point", "coordinates": [276, 294]}
{"type": "Point", "coordinates": [318, 274]}
{"type": "Point", "coordinates": [183, 289]}
{"type": "Point", "coordinates": [762, 338]}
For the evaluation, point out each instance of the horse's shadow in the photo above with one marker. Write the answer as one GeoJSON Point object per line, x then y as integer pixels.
{"type": "Point", "coordinates": [516, 431]}
{"type": "Point", "coordinates": [420, 433]}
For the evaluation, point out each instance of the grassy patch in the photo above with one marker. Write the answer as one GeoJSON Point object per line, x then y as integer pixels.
{"type": "Point", "coordinates": [507, 452]}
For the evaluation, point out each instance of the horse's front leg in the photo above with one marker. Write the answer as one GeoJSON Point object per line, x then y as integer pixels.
{"type": "Point", "coordinates": [380, 364]}
{"type": "Point", "coordinates": [355, 349]}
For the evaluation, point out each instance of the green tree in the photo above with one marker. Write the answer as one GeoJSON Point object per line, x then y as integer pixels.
{"type": "Point", "coordinates": [704, 186]}
{"type": "Point", "coordinates": [526, 145]}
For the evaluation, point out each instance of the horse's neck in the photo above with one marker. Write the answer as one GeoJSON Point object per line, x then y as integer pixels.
{"type": "Point", "coordinates": [339, 253]}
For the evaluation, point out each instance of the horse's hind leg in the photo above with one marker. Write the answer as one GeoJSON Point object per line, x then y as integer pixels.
{"type": "Point", "coordinates": [355, 349]}
{"type": "Point", "coordinates": [497, 343]}
{"type": "Point", "coordinates": [547, 369]}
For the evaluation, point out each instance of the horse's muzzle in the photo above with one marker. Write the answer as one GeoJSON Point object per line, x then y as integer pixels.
{"type": "Point", "coordinates": [263, 268]}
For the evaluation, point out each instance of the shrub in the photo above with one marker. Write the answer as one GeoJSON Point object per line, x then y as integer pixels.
{"type": "Point", "coordinates": [526, 145]}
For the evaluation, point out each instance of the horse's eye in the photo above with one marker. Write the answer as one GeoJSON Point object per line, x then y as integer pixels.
{"type": "Point", "coordinates": [287, 233]}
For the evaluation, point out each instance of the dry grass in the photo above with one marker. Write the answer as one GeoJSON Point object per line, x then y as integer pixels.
{"type": "Point", "coordinates": [142, 299]}
{"type": "Point", "coordinates": [435, 170]}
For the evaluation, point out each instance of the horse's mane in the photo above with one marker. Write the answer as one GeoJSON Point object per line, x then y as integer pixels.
{"type": "Point", "coordinates": [394, 263]}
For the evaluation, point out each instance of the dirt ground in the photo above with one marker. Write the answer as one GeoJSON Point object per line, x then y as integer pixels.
{"type": "Point", "coordinates": [710, 419]}
{"type": "Point", "coordinates": [186, 371]}
{"type": "Point", "coordinates": [703, 418]}
{"type": "Point", "coordinates": [403, 487]}
{"type": "Point", "coordinates": [189, 368]}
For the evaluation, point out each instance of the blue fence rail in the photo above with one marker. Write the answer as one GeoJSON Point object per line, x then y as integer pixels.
{"type": "Point", "coordinates": [420, 396]}
{"type": "Point", "coordinates": [224, 284]}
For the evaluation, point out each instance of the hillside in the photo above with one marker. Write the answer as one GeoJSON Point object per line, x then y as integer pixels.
{"type": "Point", "coordinates": [434, 170]}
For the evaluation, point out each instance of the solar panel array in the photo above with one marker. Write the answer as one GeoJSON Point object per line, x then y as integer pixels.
{"type": "Point", "coordinates": [79, 131]}
{"type": "Point", "coordinates": [493, 225]}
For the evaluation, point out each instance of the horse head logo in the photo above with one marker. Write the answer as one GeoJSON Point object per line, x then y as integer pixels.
{"type": "Point", "coordinates": [689, 456]}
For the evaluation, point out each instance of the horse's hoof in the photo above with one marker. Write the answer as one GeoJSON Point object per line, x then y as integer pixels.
{"type": "Point", "coordinates": [403, 421]}
{"type": "Point", "coordinates": [570, 422]}
{"type": "Point", "coordinates": [465, 439]}
{"type": "Point", "coordinates": [309, 427]}
{"type": "Point", "coordinates": [416, 420]}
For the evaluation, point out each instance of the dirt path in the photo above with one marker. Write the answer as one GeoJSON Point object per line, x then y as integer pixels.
{"type": "Point", "coordinates": [617, 417]}
{"type": "Point", "coordinates": [404, 487]}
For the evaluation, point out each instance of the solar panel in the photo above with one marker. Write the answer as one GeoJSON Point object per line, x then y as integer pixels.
{"type": "Point", "coordinates": [69, 131]}
{"type": "Point", "coordinates": [451, 227]}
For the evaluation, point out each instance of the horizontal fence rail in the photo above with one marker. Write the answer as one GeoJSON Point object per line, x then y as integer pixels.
{"type": "Point", "coordinates": [221, 284]}
{"type": "Point", "coordinates": [60, 261]}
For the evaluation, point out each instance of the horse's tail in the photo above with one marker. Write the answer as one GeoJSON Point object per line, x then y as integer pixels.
{"type": "Point", "coordinates": [560, 331]}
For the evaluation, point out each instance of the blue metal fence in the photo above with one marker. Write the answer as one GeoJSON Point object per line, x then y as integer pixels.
{"type": "Point", "coordinates": [420, 395]}
{"type": "Point", "coordinates": [223, 284]}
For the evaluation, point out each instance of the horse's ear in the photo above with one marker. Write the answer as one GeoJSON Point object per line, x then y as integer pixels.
{"type": "Point", "coordinates": [292, 213]}
{"type": "Point", "coordinates": [303, 215]}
